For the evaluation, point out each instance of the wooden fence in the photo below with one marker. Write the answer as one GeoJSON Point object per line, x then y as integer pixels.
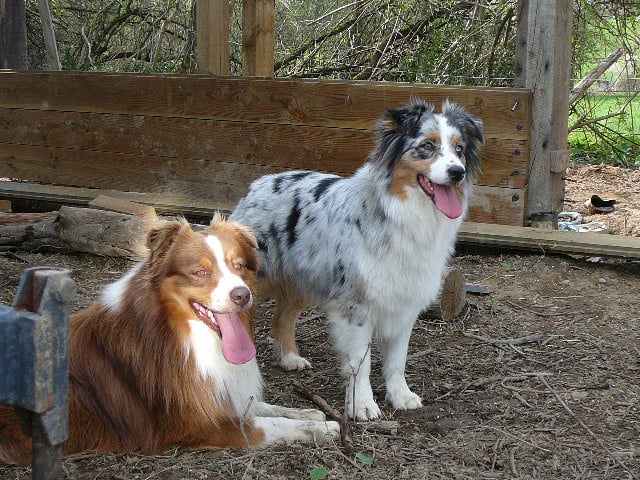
{"type": "Point", "coordinates": [202, 139]}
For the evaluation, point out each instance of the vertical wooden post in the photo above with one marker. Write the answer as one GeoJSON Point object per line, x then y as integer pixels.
{"type": "Point", "coordinates": [13, 34]}
{"type": "Point", "coordinates": [543, 63]}
{"type": "Point", "coordinates": [53, 59]}
{"type": "Point", "coordinates": [258, 37]}
{"type": "Point", "coordinates": [212, 36]}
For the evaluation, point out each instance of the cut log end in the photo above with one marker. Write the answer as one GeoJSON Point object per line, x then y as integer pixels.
{"type": "Point", "coordinates": [453, 297]}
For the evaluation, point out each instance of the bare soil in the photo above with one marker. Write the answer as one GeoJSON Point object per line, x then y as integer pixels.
{"type": "Point", "coordinates": [539, 379]}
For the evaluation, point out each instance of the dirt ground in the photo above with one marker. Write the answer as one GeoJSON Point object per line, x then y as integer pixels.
{"type": "Point", "coordinates": [538, 379]}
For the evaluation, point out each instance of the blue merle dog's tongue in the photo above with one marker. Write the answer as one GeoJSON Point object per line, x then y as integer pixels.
{"type": "Point", "coordinates": [446, 200]}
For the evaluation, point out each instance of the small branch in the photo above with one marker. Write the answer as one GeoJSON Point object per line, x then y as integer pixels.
{"type": "Point", "coordinates": [585, 426]}
{"type": "Point", "coordinates": [583, 85]}
{"type": "Point", "coordinates": [479, 382]}
{"type": "Point", "coordinates": [345, 432]}
{"type": "Point", "coordinates": [535, 338]}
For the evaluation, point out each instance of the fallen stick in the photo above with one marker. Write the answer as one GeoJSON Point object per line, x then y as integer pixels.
{"type": "Point", "coordinates": [585, 426]}
{"type": "Point", "coordinates": [345, 431]}
{"type": "Point", "coordinates": [535, 338]}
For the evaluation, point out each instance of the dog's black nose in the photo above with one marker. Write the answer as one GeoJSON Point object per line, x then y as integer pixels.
{"type": "Point", "coordinates": [456, 173]}
{"type": "Point", "coordinates": [240, 296]}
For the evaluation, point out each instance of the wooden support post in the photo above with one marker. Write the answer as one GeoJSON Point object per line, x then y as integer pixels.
{"type": "Point", "coordinates": [258, 40]}
{"type": "Point", "coordinates": [53, 59]}
{"type": "Point", "coordinates": [212, 36]}
{"type": "Point", "coordinates": [13, 34]}
{"type": "Point", "coordinates": [543, 63]}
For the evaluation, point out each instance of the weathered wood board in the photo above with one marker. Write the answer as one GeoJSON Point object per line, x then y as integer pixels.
{"type": "Point", "coordinates": [208, 137]}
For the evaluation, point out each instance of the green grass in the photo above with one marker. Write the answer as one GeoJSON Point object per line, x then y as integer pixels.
{"type": "Point", "coordinates": [614, 140]}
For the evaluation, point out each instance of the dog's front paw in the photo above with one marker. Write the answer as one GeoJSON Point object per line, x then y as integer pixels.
{"type": "Point", "coordinates": [333, 430]}
{"type": "Point", "coordinates": [291, 361]}
{"type": "Point", "coordinates": [287, 430]}
{"type": "Point", "coordinates": [404, 400]}
{"type": "Point", "coordinates": [305, 414]}
{"type": "Point", "coordinates": [363, 410]}
{"type": "Point", "coordinates": [263, 409]}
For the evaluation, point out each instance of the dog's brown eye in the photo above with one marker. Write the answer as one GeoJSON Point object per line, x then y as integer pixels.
{"type": "Point", "coordinates": [202, 272]}
{"type": "Point", "coordinates": [237, 265]}
{"type": "Point", "coordinates": [426, 149]}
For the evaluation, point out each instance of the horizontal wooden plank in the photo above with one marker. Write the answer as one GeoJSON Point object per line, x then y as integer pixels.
{"type": "Point", "coordinates": [506, 112]}
{"type": "Point", "coordinates": [504, 206]}
{"type": "Point", "coordinates": [483, 234]}
{"type": "Point", "coordinates": [549, 241]}
{"type": "Point", "coordinates": [81, 196]}
{"type": "Point", "coordinates": [490, 204]}
{"type": "Point", "coordinates": [282, 146]}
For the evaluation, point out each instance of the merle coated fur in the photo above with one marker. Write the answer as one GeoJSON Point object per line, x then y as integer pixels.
{"type": "Point", "coordinates": [351, 245]}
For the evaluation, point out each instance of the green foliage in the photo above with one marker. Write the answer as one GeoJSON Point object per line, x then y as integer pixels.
{"type": "Point", "coordinates": [365, 458]}
{"type": "Point", "coordinates": [606, 129]}
{"type": "Point", "coordinates": [605, 123]}
{"type": "Point", "coordinates": [318, 473]}
{"type": "Point", "coordinates": [439, 42]}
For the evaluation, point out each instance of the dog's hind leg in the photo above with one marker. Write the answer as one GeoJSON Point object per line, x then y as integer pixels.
{"type": "Point", "coordinates": [394, 348]}
{"type": "Point", "coordinates": [288, 309]}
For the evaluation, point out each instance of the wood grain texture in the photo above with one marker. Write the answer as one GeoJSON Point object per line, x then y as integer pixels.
{"type": "Point", "coordinates": [339, 151]}
{"type": "Point", "coordinates": [83, 230]}
{"type": "Point", "coordinates": [209, 137]}
{"type": "Point", "coordinates": [339, 104]}
{"type": "Point", "coordinates": [543, 63]}
{"type": "Point", "coordinates": [258, 37]}
{"type": "Point", "coordinates": [212, 43]}
{"type": "Point", "coordinates": [543, 240]}
{"type": "Point", "coordinates": [492, 204]}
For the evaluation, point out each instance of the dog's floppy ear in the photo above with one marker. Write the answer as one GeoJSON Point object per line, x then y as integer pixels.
{"type": "Point", "coordinates": [250, 245]}
{"type": "Point", "coordinates": [244, 236]}
{"type": "Point", "coordinates": [406, 120]}
{"type": "Point", "coordinates": [396, 128]}
{"type": "Point", "coordinates": [160, 238]}
{"type": "Point", "coordinates": [471, 126]}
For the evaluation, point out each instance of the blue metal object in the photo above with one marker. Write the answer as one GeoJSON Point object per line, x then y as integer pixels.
{"type": "Point", "coordinates": [34, 360]}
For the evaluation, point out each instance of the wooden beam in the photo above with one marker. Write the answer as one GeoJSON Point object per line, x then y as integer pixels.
{"type": "Point", "coordinates": [543, 63]}
{"type": "Point", "coordinates": [13, 34]}
{"type": "Point", "coordinates": [212, 36]}
{"type": "Point", "coordinates": [548, 241]}
{"type": "Point", "coordinates": [53, 59]}
{"type": "Point", "coordinates": [590, 78]}
{"type": "Point", "coordinates": [258, 37]}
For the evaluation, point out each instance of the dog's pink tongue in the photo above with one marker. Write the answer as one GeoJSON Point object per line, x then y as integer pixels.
{"type": "Point", "coordinates": [447, 201]}
{"type": "Point", "coordinates": [237, 346]}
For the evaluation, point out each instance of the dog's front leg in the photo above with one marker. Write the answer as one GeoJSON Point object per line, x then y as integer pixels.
{"type": "Point", "coordinates": [262, 409]}
{"type": "Point", "coordinates": [394, 346]}
{"type": "Point", "coordinates": [352, 340]}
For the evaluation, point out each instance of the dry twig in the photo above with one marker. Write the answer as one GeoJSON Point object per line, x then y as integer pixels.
{"type": "Point", "coordinates": [345, 432]}
{"type": "Point", "coordinates": [586, 427]}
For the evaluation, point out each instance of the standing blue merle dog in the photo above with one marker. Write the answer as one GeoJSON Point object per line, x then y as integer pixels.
{"type": "Point", "coordinates": [370, 249]}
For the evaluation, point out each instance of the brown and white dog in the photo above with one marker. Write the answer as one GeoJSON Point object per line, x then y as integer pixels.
{"type": "Point", "coordinates": [166, 357]}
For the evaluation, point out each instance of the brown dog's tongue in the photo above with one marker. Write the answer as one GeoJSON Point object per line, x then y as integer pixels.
{"type": "Point", "coordinates": [237, 346]}
{"type": "Point", "coordinates": [447, 201]}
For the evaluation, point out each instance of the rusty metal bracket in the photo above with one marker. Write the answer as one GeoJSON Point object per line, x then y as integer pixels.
{"type": "Point", "coordinates": [34, 360]}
